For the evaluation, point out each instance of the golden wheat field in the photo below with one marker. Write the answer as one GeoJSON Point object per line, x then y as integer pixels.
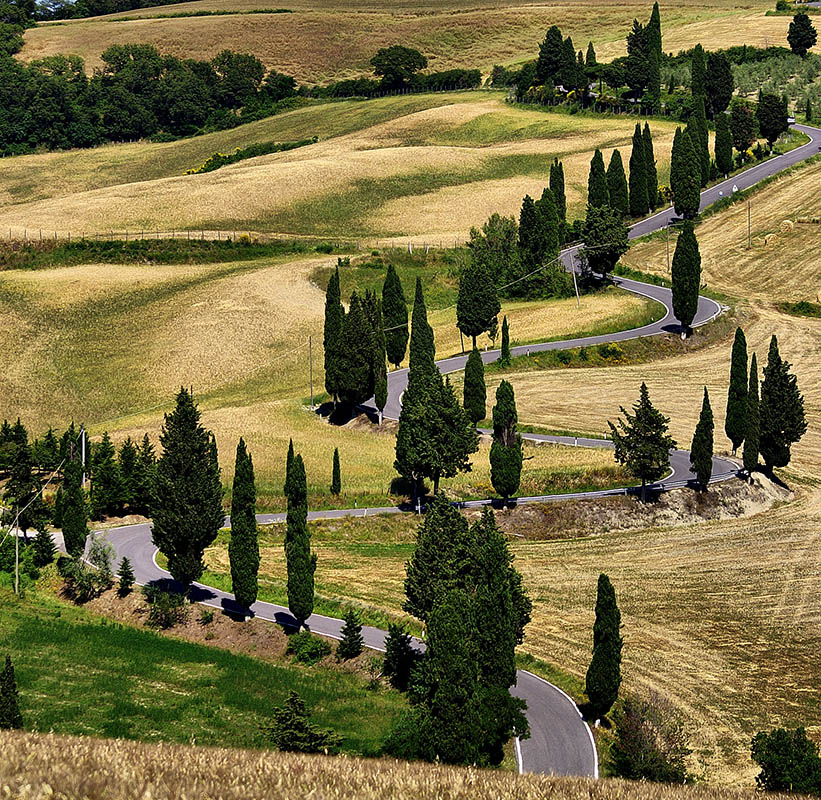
{"type": "Point", "coordinates": [326, 42]}
{"type": "Point", "coordinates": [97, 769]}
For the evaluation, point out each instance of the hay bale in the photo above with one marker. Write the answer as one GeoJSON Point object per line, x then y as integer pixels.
{"type": "Point", "coordinates": [771, 240]}
{"type": "Point", "coordinates": [787, 225]}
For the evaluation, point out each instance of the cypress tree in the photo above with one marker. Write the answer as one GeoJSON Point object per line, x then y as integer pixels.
{"type": "Point", "coordinates": [604, 673]}
{"type": "Point", "coordinates": [300, 561]}
{"type": "Point", "coordinates": [334, 319]}
{"type": "Point", "coordinates": [642, 442]}
{"type": "Point", "coordinates": [422, 347]}
{"type": "Point", "coordinates": [720, 84]}
{"type": "Point", "coordinates": [685, 172]}
{"type": "Point", "coordinates": [243, 547]}
{"type": "Point", "coordinates": [10, 717]}
{"type": "Point", "coordinates": [504, 355]}
{"type": "Point", "coordinates": [475, 393]}
{"type": "Point", "coordinates": [650, 171]}
{"type": "Point", "coordinates": [356, 356]}
{"type": "Point", "coordinates": [724, 144]}
{"type": "Point", "coordinates": [617, 185]}
{"type": "Point", "coordinates": [74, 513]}
{"type": "Point", "coordinates": [477, 303]}
{"type": "Point", "coordinates": [336, 474]}
{"type": "Point", "coordinates": [597, 194]}
{"type": "Point", "coordinates": [639, 202]}
{"type": "Point", "coordinates": [698, 72]}
{"type": "Point", "coordinates": [700, 136]}
{"type": "Point", "coordinates": [126, 583]}
{"type": "Point", "coordinates": [653, 30]}
{"type": "Point", "coordinates": [590, 56]}
{"type": "Point", "coordinates": [558, 189]}
{"type": "Point", "coordinates": [546, 207]}
{"type": "Point", "coordinates": [395, 316]}
{"type": "Point", "coordinates": [380, 368]}
{"type": "Point", "coordinates": [289, 461]}
{"type": "Point", "coordinates": [22, 492]}
{"type": "Point", "coordinates": [128, 462]}
{"type": "Point", "coordinates": [188, 510]}
{"type": "Point", "coordinates": [701, 451]}
{"type": "Point", "coordinates": [686, 276]}
{"type": "Point", "coordinates": [44, 548]}
{"type": "Point", "coordinates": [352, 642]}
{"type": "Point", "coordinates": [533, 250]}
{"type": "Point", "coordinates": [808, 110]}
{"type": "Point", "coordinates": [551, 53]}
{"type": "Point", "coordinates": [106, 483]}
{"type": "Point", "coordinates": [782, 418]}
{"type": "Point", "coordinates": [400, 657]}
{"type": "Point", "coordinates": [506, 450]}
{"type": "Point", "coordinates": [652, 94]}
{"type": "Point", "coordinates": [735, 421]}
{"type": "Point", "coordinates": [752, 432]}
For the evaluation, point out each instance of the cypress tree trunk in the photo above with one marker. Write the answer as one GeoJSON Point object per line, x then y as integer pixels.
{"type": "Point", "coordinates": [300, 561]}
{"type": "Point", "coordinates": [735, 424]}
{"type": "Point", "coordinates": [243, 546]}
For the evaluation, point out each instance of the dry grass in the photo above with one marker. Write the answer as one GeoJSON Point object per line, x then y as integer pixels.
{"type": "Point", "coordinates": [39, 767]}
{"type": "Point", "coordinates": [321, 43]}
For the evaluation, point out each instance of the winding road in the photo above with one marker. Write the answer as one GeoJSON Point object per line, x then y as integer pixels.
{"type": "Point", "coordinates": [560, 742]}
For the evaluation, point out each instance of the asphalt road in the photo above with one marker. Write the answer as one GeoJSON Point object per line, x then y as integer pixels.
{"type": "Point", "coordinates": [560, 742]}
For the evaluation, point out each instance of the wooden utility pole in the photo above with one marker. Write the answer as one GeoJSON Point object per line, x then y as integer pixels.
{"type": "Point", "coordinates": [749, 225]}
{"type": "Point", "coordinates": [668, 246]}
{"type": "Point", "coordinates": [311, 360]}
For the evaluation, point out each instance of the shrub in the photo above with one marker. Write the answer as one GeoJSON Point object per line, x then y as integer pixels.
{"type": "Point", "coordinates": [206, 616]}
{"type": "Point", "coordinates": [400, 657]}
{"type": "Point", "coordinates": [165, 609]}
{"type": "Point", "coordinates": [82, 582]}
{"type": "Point", "coordinates": [43, 549]}
{"type": "Point", "coordinates": [126, 578]}
{"type": "Point", "coordinates": [292, 730]}
{"type": "Point", "coordinates": [405, 739]}
{"type": "Point", "coordinates": [564, 356]}
{"type": "Point", "coordinates": [307, 648]}
{"type": "Point", "coordinates": [101, 556]}
{"type": "Point", "coordinates": [610, 351]}
{"type": "Point", "coordinates": [789, 761]}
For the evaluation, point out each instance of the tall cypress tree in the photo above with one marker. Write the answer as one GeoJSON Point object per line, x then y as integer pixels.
{"type": "Point", "coordinates": [782, 418]}
{"type": "Point", "coordinates": [534, 245]}
{"type": "Point", "coordinates": [604, 673]}
{"type": "Point", "coordinates": [243, 546]}
{"type": "Point", "coordinates": [73, 509]}
{"type": "Point", "coordinates": [735, 421]}
{"type": "Point", "coordinates": [504, 353]}
{"type": "Point", "coordinates": [546, 207]}
{"type": "Point", "coordinates": [652, 93]}
{"type": "Point", "coordinates": [356, 355]}
{"type": "Point", "coordinates": [475, 393]}
{"type": "Point", "coordinates": [336, 474]}
{"type": "Point", "coordinates": [300, 561]}
{"type": "Point", "coordinates": [617, 185]}
{"type": "Point", "coordinates": [698, 72]}
{"type": "Point", "coordinates": [22, 492]}
{"type": "Point", "coordinates": [752, 432]}
{"type": "Point", "coordinates": [422, 347]}
{"type": "Point", "coordinates": [700, 137]}
{"type": "Point", "coordinates": [639, 202]}
{"type": "Point", "coordinates": [685, 175]}
{"type": "Point", "coordinates": [10, 717]}
{"type": "Point", "coordinates": [477, 303]}
{"type": "Point", "coordinates": [395, 317]}
{"type": "Point", "coordinates": [597, 194]}
{"type": "Point", "coordinates": [334, 319]}
{"type": "Point", "coordinates": [188, 507]}
{"type": "Point", "coordinates": [106, 484]}
{"type": "Point", "coordinates": [686, 275]}
{"type": "Point", "coordinates": [558, 189]}
{"type": "Point", "coordinates": [650, 171]}
{"type": "Point", "coordinates": [506, 450]}
{"type": "Point", "coordinates": [724, 144]}
{"type": "Point", "coordinates": [379, 368]}
{"type": "Point", "coordinates": [701, 451]}
{"type": "Point", "coordinates": [653, 30]}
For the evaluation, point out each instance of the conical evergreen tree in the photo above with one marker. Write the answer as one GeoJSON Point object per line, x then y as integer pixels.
{"type": "Point", "coordinates": [639, 202]}
{"type": "Point", "coordinates": [546, 206]}
{"type": "Point", "coordinates": [642, 442]}
{"type": "Point", "coordinates": [685, 172]}
{"type": "Point", "coordinates": [590, 56]}
{"type": "Point", "coordinates": [686, 275]}
{"type": "Point", "coordinates": [701, 451]}
{"type": "Point", "coordinates": [400, 657]}
{"type": "Point", "coordinates": [558, 189]}
{"type": "Point", "coordinates": [73, 509]}
{"type": "Point", "coordinates": [395, 317]}
{"type": "Point", "coordinates": [617, 185]}
{"type": "Point", "coordinates": [652, 93]}
{"type": "Point", "coordinates": [650, 168]}
{"type": "Point", "coordinates": [653, 30]}
{"type": "Point", "coordinates": [504, 354]}
{"type": "Point", "coordinates": [106, 482]}
{"type": "Point", "coordinates": [188, 510]}
{"type": "Point", "coordinates": [735, 421]}
{"type": "Point", "coordinates": [300, 561]}
{"type": "Point", "coordinates": [724, 144]}
{"type": "Point", "coordinates": [334, 319]}
{"type": "Point", "coordinates": [698, 72]}
{"type": "Point", "coordinates": [477, 303]}
{"type": "Point", "coordinates": [597, 194]}
{"type": "Point", "coordinates": [352, 642]}
{"type": "Point", "coordinates": [475, 393]}
{"type": "Point", "coordinates": [44, 548]}
{"type": "Point", "coordinates": [700, 136]}
{"type": "Point", "coordinates": [506, 450]}
{"type": "Point", "coordinates": [752, 432]}
{"type": "Point", "coordinates": [356, 356]}
{"type": "Point", "coordinates": [243, 547]}
{"type": "Point", "coordinates": [604, 673]}
{"type": "Point", "coordinates": [422, 348]}
{"type": "Point", "coordinates": [380, 357]}
{"type": "Point", "coordinates": [10, 717]}
{"type": "Point", "coordinates": [533, 251]}
{"type": "Point", "coordinates": [128, 462]}
{"type": "Point", "coordinates": [22, 493]}
{"type": "Point", "coordinates": [126, 573]}
{"type": "Point", "coordinates": [782, 418]}
{"type": "Point", "coordinates": [336, 474]}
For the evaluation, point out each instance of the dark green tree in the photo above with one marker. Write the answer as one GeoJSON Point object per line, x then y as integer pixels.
{"type": "Point", "coordinates": [126, 583]}
{"type": "Point", "coordinates": [617, 185]}
{"type": "Point", "coordinates": [477, 303]}
{"type": "Point", "coordinates": [74, 511]}
{"type": "Point", "coordinates": [10, 717]}
{"type": "Point", "coordinates": [400, 657]}
{"type": "Point", "coordinates": [372, 306]}
{"type": "Point", "coordinates": [106, 493]}
{"type": "Point", "coordinates": [743, 125]}
{"type": "Point", "coordinates": [723, 144]}
{"type": "Point", "coordinates": [533, 249]}
{"type": "Point", "coordinates": [46, 452]}
{"type": "Point", "coordinates": [685, 174]}
{"type": "Point", "coordinates": [597, 193]}
{"type": "Point", "coordinates": [336, 474]}
{"type": "Point", "coordinates": [719, 84]}
{"type": "Point", "coordinates": [789, 761]}
{"type": "Point", "coordinates": [356, 355]}
{"type": "Point", "coordinates": [243, 546]}
{"type": "Point", "coordinates": [506, 450]}
{"type": "Point", "coordinates": [128, 459]}
{"type": "Point", "coordinates": [395, 317]}
{"type": "Point", "coordinates": [551, 57]}
{"type": "Point", "coordinates": [637, 72]}
{"type": "Point", "coordinates": [292, 730]}
{"type": "Point", "coordinates": [146, 477]}
{"type": "Point", "coordinates": [752, 433]}
{"type": "Point", "coordinates": [686, 276]}
{"type": "Point", "coordinates": [331, 337]}
{"type": "Point", "coordinates": [605, 240]}
{"type": "Point", "coordinates": [642, 442]}
{"type": "Point", "coordinates": [808, 110]}
{"type": "Point", "coordinates": [639, 202]}
{"type": "Point", "coordinates": [735, 420]}
{"type": "Point", "coordinates": [504, 353]}
{"type": "Point", "coordinates": [782, 418]}
{"type": "Point", "coordinates": [496, 245]}
{"type": "Point", "coordinates": [187, 512]}
{"type": "Point", "coordinates": [654, 30]}
{"type": "Point", "coordinates": [700, 138]}
{"type": "Point", "coordinates": [558, 190]}
{"type": "Point", "coordinates": [422, 354]}
{"type": "Point", "coordinates": [352, 642]}
{"type": "Point", "coordinates": [300, 561]}
{"type": "Point", "coordinates": [22, 496]}
{"type": "Point", "coordinates": [698, 72]}
{"type": "Point", "coordinates": [590, 57]}
{"type": "Point", "coordinates": [701, 451]}
{"type": "Point", "coordinates": [772, 117]}
{"type": "Point", "coordinates": [650, 168]}
{"type": "Point", "coordinates": [604, 673]}
{"type": "Point", "coordinates": [43, 548]}
{"type": "Point", "coordinates": [546, 208]}
{"type": "Point", "coordinates": [802, 35]}
{"type": "Point", "coordinates": [397, 65]}
{"type": "Point", "coordinates": [475, 393]}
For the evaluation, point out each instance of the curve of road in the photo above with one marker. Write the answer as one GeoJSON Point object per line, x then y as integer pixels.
{"type": "Point", "coordinates": [560, 743]}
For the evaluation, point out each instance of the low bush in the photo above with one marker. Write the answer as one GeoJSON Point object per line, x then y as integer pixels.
{"type": "Point", "coordinates": [82, 582]}
{"type": "Point", "coordinates": [165, 609]}
{"type": "Point", "coordinates": [307, 648]}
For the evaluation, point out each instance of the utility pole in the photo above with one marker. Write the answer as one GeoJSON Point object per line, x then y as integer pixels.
{"type": "Point", "coordinates": [16, 554]}
{"type": "Point", "coordinates": [311, 360]}
{"type": "Point", "coordinates": [749, 225]}
{"type": "Point", "coordinates": [83, 451]}
{"type": "Point", "coordinates": [573, 270]}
